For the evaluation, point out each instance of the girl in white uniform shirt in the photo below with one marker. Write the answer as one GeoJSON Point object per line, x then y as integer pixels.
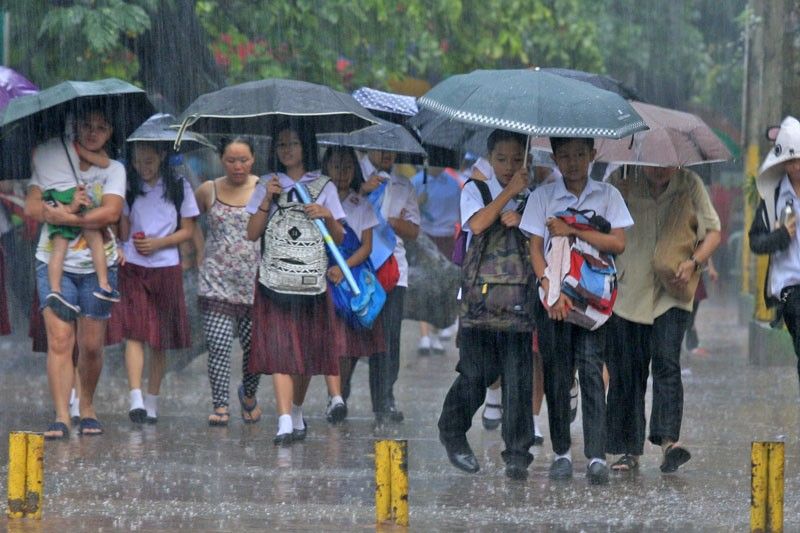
{"type": "Point", "coordinates": [304, 337]}
{"type": "Point", "coordinates": [342, 166]}
{"type": "Point", "coordinates": [153, 310]}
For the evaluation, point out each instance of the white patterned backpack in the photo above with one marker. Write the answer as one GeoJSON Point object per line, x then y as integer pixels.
{"type": "Point", "coordinates": [294, 260]}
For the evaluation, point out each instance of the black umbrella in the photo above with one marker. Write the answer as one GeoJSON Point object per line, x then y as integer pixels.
{"type": "Point", "coordinates": [32, 119]}
{"type": "Point", "coordinates": [255, 107]}
{"type": "Point", "coordinates": [383, 136]}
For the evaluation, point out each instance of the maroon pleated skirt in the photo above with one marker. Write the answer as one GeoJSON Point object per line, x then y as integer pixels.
{"type": "Point", "coordinates": [365, 342]}
{"type": "Point", "coordinates": [305, 337]}
{"type": "Point", "coordinates": [152, 309]}
{"type": "Point", "coordinates": [5, 324]}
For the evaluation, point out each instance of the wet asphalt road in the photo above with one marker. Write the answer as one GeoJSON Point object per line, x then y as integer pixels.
{"type": "Point", "coordinates": [183, 475]}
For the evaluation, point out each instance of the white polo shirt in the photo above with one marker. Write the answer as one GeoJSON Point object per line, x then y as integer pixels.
{"type": "Point", "coordinates": [399, 201]}
{"type": "Point", "coordinates": [547, 200]}
{"type": "Point", "coordinates": [785, 267]}
{"type": "Point", "coordinates": [472, 202]}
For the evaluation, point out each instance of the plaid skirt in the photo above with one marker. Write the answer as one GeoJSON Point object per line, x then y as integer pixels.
{"type": "Point", "coordinates": [152, 309]}
{"type": "Point", "coordinates": [304, 337]}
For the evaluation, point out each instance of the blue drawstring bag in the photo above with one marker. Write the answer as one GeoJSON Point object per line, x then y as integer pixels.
{"type": "Point", "coordinates": [359, 312]}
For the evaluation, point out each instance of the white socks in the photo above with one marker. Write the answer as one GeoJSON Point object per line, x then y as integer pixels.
{"type": "Point", "coordinates": [493, 397]}
{"type": "Point", "coordinates": [137, 402]}
{"type": "Point", "coordinates": [536, 431]}
{"type": "Point", "coordinates": [284, 424]}
{"type": "Point", "coordinates": [74, 405]}
{"type": "Point", "coordinates": [151, 405]}
{"type": "Point", "coordinates": [567, 456]}
{"type": "Point", "coordinates": [597, 460]}
{"type": "Point", "coordinates": [297, 417]}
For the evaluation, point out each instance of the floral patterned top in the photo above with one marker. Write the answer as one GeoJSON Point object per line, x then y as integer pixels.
{"type": "Point", "coordinates": [229, 268]}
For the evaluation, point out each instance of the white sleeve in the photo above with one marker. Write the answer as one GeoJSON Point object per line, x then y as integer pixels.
{"type": "Point", "coordinates": [410, 210]}
{"type": "Point", "coordinates": [617, 212]}
{"type": "Point", "coordinates": [329, 197]}
{"type": "Point", "coordinates": [116, 182]}
{"type": "Point", "coordinates": [534, 216]}
{"type": "Point", "coordinates": [189, 207]}
{"type": "Point", "coordinates": [257, 197]}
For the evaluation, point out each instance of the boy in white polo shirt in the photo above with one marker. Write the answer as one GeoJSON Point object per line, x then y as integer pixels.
{"type": "Point", "coordinates": [563, 345]}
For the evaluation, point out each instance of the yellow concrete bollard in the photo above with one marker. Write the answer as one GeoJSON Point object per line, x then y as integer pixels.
{"type": "Point", "coordinates": [758, 487]}
{"type": "Point", "coordinates": [17, 459]}
{"type": "Point", "coordinates": [34, 479]}
{"type": "Point", "coordinates": [766, 485]}
{"type": "Point", "coordinates": [399, 473]}
{"type": "Point", "coordinates": [775, 487]}
{"type": "Point", "coordinates": [383, 481]}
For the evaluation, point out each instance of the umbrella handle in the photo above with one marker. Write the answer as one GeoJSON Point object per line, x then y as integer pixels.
{"type": "Point", "coordinates": [337, 255]}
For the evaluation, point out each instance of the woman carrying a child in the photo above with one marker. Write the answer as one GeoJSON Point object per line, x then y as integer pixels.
{"type": "Point", "coordinates": [81, 310]}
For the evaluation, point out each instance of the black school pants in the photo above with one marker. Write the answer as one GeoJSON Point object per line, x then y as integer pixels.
{"type": "Point", "coordinates": [483, 356]}
{"type": "Point", "coordinates": [564, 347]}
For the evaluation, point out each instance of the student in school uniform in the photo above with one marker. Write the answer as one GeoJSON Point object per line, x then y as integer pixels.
{"type": "Point", "coordinates": [341, 165]}
{"type": "Point", "coordinates": [487, 355]}
{"type": "Point", "coordinates": [158, 215]}
{"type": "Point", "coordinates": [397, 209]}
{"type": "Point", "coordinates": [563, 345]}
{"type": "Point", "coordinates": [301, 336]}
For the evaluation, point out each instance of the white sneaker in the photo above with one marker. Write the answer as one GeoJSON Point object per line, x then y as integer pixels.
{"type": "Point", "coordinates": [436, 345]}
{"type": "Point", "coordinates": [424, 346]}
{"type": "Point", "coordinates": [449, 332]}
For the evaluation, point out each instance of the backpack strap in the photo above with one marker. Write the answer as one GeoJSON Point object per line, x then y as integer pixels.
{"type": "Point", "coordinates": [483, 188]}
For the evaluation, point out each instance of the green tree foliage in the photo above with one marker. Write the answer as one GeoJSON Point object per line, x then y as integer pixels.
{"type": "Point", "coordinates": [674, 53]}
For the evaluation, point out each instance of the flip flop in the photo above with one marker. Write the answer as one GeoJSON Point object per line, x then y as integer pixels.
{"type": "Point", "coordinates": [674, 456]}
{"type": "Point", "coordinates": [90, 424]}
{"type": "Point", "coordinates": [626, 463]}
{"type": "Point", "coordinates": [222, 419]}
{"type": "Point", "coordinates": [57, 426]}
{"type": "Point", "coordinates": [246, 409]}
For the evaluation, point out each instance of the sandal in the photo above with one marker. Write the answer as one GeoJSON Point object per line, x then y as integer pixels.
{"type": "Point", "coordinates": [219, 419]}
{"type": "Point", "coordinates": [248, 410]}
{"type": "Point", "coordinates": [674, 456]}
{"type": "Point", "coordinates": [57, 426]}
{"type": "Point", "coordinates": [90, 427]}
{"type": "Point", "coordinates": [626, 463]}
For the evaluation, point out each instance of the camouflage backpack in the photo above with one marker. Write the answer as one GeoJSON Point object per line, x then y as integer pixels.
{"type": "Point", "coordinates": [497, 281]}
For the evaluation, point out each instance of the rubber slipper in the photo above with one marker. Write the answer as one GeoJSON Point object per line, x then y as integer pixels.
{"type": "Point", "coordinates": [626, 463]}
{"type": "Point", "coordinates": [221, 421]}
{"type": "Point", "coordinates": [674, 456]}
{"type": "Point", "coordinates": [246, 409]}
{"type": "Point", "coordinates": [93, 426]}
{"type": "Point", "coordinates": [57, 426]}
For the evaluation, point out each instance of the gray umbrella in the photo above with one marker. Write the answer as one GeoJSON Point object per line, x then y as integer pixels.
{"type": "Point", "coordinates": [382, 136]}
{"type": "Point", "coordinates": [256, 107]}
{"type": "Point", "coordinates": [163, 128]}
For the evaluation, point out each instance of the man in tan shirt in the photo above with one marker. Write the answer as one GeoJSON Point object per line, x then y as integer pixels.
{"type": "Point", "coordinates": [648, 321]}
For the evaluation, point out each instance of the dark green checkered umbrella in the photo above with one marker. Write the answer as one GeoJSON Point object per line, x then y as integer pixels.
{"type": "Point", "coordinates": [534, 103]}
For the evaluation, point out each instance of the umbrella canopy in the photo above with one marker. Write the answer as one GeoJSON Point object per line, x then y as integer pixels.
{"type": "Point", "coordinates": [675, 139]}
{"type": "Point", "coordinates": [383, 136]}
{"type": "Point", "coordinates": [163, 128]}
{"type": "Point", "coordinates": [598, 80]}
{"type": "Point", "coordinates": [393, 107]}
{"type": "Point", "coordinates": [255, 107]}
{"type": "Point", "coordinates": [14, 84]}
{"type": "Point", "coordinates": [534, 103]}
{"type": "Point", "coordinates": [32, 119]}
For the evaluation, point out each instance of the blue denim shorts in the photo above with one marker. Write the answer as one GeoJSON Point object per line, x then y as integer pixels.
{"type": "Point", "coordinates": [77, 289]}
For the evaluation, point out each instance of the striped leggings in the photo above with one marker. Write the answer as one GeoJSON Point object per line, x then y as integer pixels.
{"type": "Point", "coordinates": [219, 331]}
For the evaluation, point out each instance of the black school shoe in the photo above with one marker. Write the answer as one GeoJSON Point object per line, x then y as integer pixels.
{"type": "Point", "coordinates": [597, 473]}
{"type": "Point", "coordinates": [461, 455]}
{"type": "Point", "coordinates": [516, 471]}
{"type": "Point", "coordinates": [560, 469]}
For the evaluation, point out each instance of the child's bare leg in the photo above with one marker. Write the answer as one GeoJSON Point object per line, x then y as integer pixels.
{"type": "Point", "coordinates": [94, 238]}
{"type": "Point", "coordinates": [55, 267]}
